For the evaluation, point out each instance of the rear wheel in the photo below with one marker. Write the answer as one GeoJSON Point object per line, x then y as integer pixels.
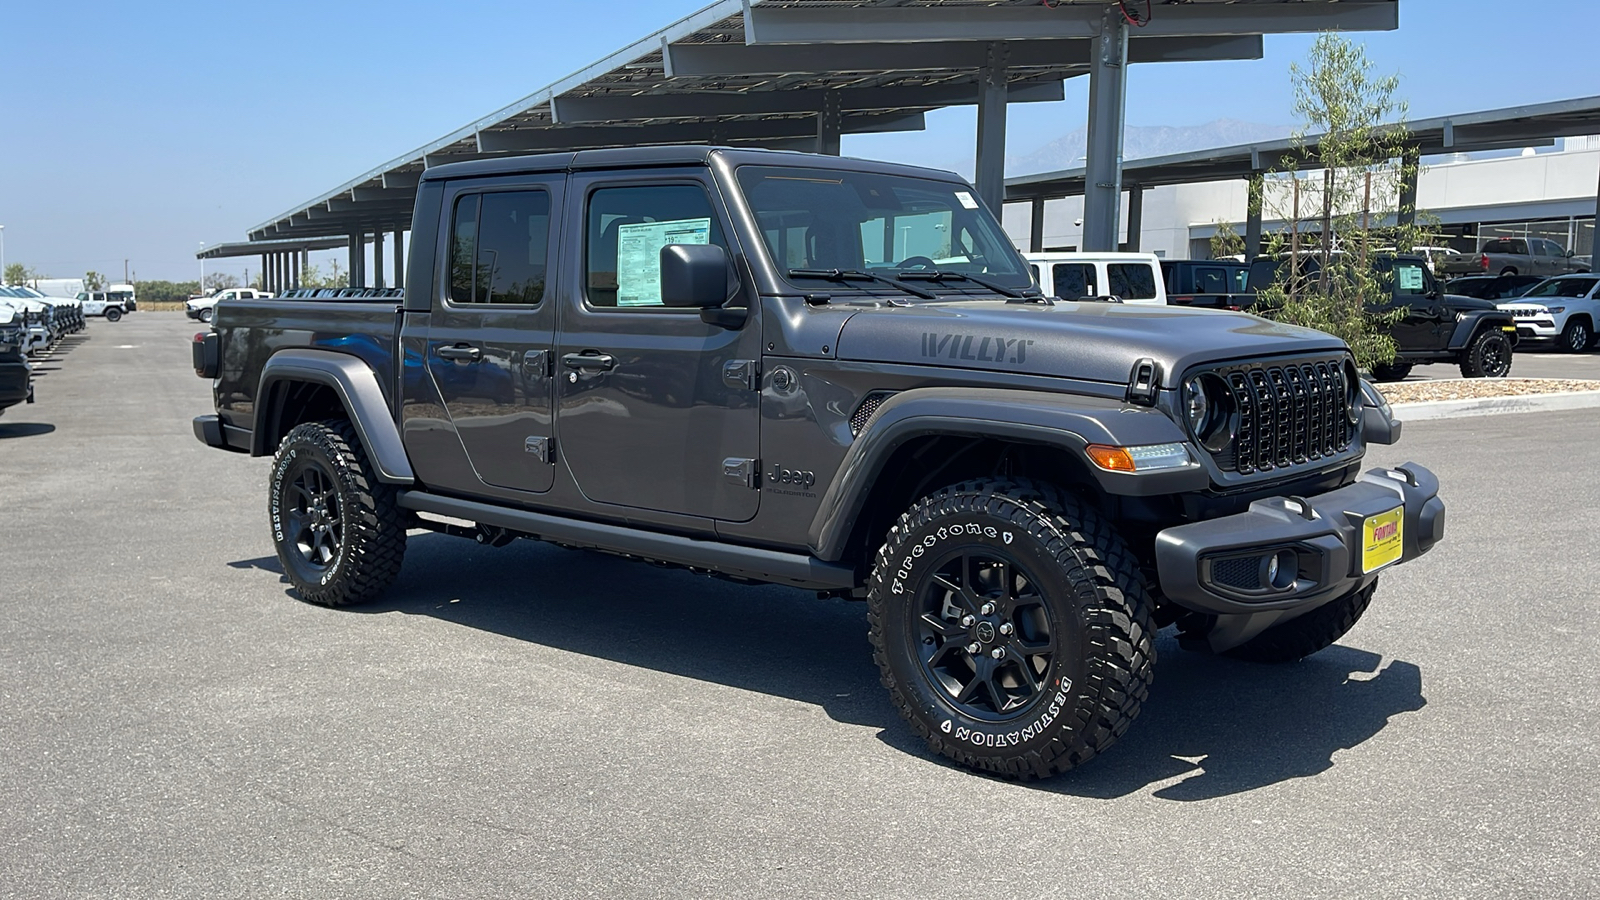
{"type": "Point", "coordinates": [1508, 270]}
{"type": "Point", "coordinates": [113, 314]}
{"type": "Point", "coordinates": [1576, 337]}
{"type": "Point", "coordinates": [1488, 356]}
{"type": "Point", "coordinates": [1395, 371]}
{"type": "Point", "coordinates": [336, 528]}
{"type": "Point", "coordinates": [1011, 627]}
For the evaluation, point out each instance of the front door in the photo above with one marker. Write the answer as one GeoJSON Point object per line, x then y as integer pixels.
{"type": "Point", "coordinates": [491, 336]}
{"type": "Point", "coordinates": [656, 409]}
{"type": "Point", "coordinates": [1427, 324]}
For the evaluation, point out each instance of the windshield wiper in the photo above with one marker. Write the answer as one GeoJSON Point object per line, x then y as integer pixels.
{"type": "Point", "coordinates": [935, 275]}
{"type": "Point", "coordinates": [858, 275]}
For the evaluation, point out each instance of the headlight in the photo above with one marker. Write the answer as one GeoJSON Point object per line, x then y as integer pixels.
{"type": "Point", "coordinates": [1558, 309]}
{"type": "Point", "coordinates": [1208, 407]}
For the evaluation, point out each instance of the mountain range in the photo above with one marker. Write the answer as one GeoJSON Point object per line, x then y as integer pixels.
{"type": "Point", "coordinates": [1139, 141]}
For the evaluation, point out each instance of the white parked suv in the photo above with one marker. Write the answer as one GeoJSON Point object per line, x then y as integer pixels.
{"type": "Point", "coordinates": [103, 303]}
{"type": "Point", "coordinates": [201, 307]}
{"type": "Point", "coordinates": [1130, 277]}
{"type": "Point", "coordinates": [1563, 309]}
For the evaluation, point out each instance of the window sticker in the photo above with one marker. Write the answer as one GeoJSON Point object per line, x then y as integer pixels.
{"type": "Point", "coordinates": [639, 256]}
{"type": "Point", "coordinates": [966, 200]}
{"type": "Point", "coordinates": [1410, 278]}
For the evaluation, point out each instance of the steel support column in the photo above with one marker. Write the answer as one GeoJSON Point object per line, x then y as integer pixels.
{"type": "Point", "coordinates": [1135, 214]}
{"type": "Point", "coordinates": [1594, 231]}
{"type": "Point", "coordinates": [266, 280]}
{"type": "Point", "coordinates": [399, 258]}
{"type": "Point", "coordinates": [1036, 226]}
{"type": "Point", "coordinates": [377, 258]}
{"type": "Point", "coordinates": [355, 255]}
{"type": "Point", "coordinates": [294, 270]}
{"type": "Point", "coordinates": [992, 89]}
{"type": "Point", "coordinates": [830, 123]}
{"type": "Point", "coordinates": [1108, 82]}
{"type": "Point", "coordinates": [1410, 163]}
{"type": "Point", "coordinates": [1252, 217]}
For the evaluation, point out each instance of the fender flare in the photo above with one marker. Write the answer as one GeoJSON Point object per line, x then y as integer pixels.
{"type": "Point", "coordinates": [359, 391]}
{"type": "Point", "coordinates": [1067, 422]}
{"type": "Point", "coordinates": [1472, 320]}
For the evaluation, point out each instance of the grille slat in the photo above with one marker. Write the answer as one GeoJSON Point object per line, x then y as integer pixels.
{"type": "Point", "coordinates": [1290, 414]}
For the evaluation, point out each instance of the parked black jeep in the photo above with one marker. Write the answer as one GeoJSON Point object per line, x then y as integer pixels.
{"type": "Point", "coordinates": [1437, 327]}
{"type": "Point", "coordinates": [837, 375]}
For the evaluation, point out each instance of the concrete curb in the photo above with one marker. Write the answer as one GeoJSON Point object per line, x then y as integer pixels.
{"type": "Point", "coordinates": [1489, 406]}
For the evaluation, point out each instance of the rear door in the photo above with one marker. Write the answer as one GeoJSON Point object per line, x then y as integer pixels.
{"type": "Point", "coordinates": [1075, 280]}
{"type": "Point", "coordinates": [491, 335]}
{"type": "Point", "coordinates": [657, 409]}
{"type": "Point", "coordinates": [1134, 282]}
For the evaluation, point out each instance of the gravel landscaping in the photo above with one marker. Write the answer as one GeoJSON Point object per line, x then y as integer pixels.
{"type": "Point", "coordinates": [1481, 388]}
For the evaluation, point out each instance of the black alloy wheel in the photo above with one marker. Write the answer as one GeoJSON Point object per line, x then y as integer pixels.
{"type": "Point", "coordinates": [315, 519]}
{"type": "Point", "coordinates": [987, 637]}
{"type": "Point", "coordinates": [1488, 356]}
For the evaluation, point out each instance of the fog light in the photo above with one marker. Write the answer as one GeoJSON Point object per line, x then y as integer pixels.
{"type": "Point", "coordinates": [1279, 570]}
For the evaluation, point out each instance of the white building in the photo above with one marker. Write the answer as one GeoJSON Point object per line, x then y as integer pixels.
{"type": "Point", "coordinates": [1546, 194]}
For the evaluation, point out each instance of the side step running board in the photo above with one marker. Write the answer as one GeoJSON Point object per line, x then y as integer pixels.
{"type": "Point", "coordinates": [771, 566]}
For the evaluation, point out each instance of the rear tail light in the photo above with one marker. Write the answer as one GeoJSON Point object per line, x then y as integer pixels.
{"type": "Point", "coordinates": [1483, 262]}
{"type": "Point", "coordinates": [207, 361]}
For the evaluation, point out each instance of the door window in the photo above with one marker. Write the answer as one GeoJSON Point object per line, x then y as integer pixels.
{"type": "Point", "coordinates": [498, 247]}
{"type": "Point", "coordinates": [1132, 281]}
{"type": "Point", "coordinates": [1212, 280]}
{"type": "Point", "coordinates": [1074, 281]}
{"type": "Point", "coordinates": [627, 228]}
{"type": "Point", "coordinates": [1410, 279]}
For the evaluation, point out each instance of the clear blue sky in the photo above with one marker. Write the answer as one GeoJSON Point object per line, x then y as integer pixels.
{"type": "Point", "coordinates": [137, 130]}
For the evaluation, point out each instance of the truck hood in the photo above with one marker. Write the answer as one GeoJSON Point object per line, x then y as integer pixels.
{"type": "Point", "coordinates": [1089, 341]}
{"type": "Point", "coordinates": [1460, 303]}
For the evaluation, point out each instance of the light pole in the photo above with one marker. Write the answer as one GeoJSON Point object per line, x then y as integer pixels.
{"type": "Point", "coordinates": [202, 270]}
{"type": "Point", "coordinates": [2, 254]}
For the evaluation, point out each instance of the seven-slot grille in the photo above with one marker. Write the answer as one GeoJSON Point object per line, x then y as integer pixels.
{"type": "Point", "coordinates": [1290, 414]}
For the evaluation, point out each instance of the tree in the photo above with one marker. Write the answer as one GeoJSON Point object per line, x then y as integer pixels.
{"type": "Point", "coordinates": [311, 276]}
{"type": "Point", "coordinates": [166, 291]}
{"type": "Point", "coordinates": [93, 281]}
{"type": "Point", "coordinates": [17, 273]}
{"type": "Point", "coordinates": [1353, 202]}
{"type": "Point", "coordinates": [1226, 242]}
{"type": "Point", "coordinates": [217, 281]}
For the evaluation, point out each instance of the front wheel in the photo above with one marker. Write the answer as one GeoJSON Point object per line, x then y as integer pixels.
{"type": "Point", "coordinates": [205, 315]}
{"type": "Point", "coordinates": [1576, 337]}
{"type": "Point", "coordinates": [113, 314]}
{"type": "Point", "coordinates": [1395, 371]}
{"type": "Point", "coordinates": [1488, 356]}
{"type": "Point", "coordinates": [1011, 627]}
{"type": "Point", "coordinates": [337, 529]}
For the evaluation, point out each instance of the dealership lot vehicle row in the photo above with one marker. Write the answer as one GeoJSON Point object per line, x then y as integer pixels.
{"type": "Point", "coordinates": [532, 720]}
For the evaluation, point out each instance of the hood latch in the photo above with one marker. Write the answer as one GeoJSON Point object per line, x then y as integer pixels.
{"type": "Point", "coordinates": [1144, 381]}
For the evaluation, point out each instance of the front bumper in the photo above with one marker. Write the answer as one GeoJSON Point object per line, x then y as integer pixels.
{"type": "Point", "coordinates": [191, 312]}
{"type": "Point", "coordinates": [1210, 567]}
{"type": "Point", "coordinates": [16, 383]}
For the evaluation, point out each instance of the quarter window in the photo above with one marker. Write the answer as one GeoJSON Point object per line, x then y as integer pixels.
{"type": "Point", "coordinates": [498, 247]}
{"type": "Point", "coordinates": [1132, 281]}
{"type": "Point", "coordinates": [627, 228]}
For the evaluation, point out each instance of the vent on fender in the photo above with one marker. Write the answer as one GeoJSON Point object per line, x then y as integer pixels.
{"type": "Point", "coordinates": [863, 413]}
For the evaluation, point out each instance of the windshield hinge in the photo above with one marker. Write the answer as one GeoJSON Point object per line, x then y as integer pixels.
{"type": "Point", "coordinates": [742, 373]}
{"type": "Point", "coordinates": [1144, 381]}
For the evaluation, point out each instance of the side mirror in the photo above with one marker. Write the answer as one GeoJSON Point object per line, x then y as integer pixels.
{"type": "Point", "coordinates": [1571, 253]}
{"type": "Point", "coordinates": [694, 276]}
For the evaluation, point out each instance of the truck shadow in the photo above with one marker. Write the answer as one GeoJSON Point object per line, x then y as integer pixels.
{"type": "Point", "coordinates": [1229, 726]}
{"type": "Point", "coordinates": [24, 429]}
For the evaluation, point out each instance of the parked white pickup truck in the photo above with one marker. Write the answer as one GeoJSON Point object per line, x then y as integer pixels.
{"type": "Point", "coordinates": [201, 307]}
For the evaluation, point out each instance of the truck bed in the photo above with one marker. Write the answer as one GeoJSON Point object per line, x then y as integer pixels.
{"type": "Point", "coordinates": [251, 331]}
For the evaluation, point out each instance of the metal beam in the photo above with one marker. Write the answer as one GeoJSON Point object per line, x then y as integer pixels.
{"type": "Point", "coordinates": [837, 23]}
{"type": "Point", "coordinates": [728, 60]}
{"type": "Point", "coordinates": [1036, 226]}
{"type": "Point", "coordinates": [619, 107]}
{"type": "Point", "coordinates": [377, 258]}
{"type": "Point", "coordinates": [991, 151]}
{"type": "Point", "coordinates": [576, 137]}
{"type": "Point", "coordinates": [1108, 82]}
{"type": "Point", "coordinates": [399, 258]}
{"type": "Point", "coordinates": [830, 124]}
{"type": "Point", "coordinates": [1252, 216]}
{"type": "Point", "coordinates": [402, 179]}
{"type": "Point", "coordinates": [378, 195]}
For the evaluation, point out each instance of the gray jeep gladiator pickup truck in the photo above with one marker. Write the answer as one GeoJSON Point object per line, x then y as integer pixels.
{"type": "Point", "coordinates": [837, 375]}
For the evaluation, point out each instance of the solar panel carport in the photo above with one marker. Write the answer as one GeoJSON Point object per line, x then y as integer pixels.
{"type": "Point", "coordinates": [1532, 125]}
{"type": "Point", "coordinates": [798, 74]}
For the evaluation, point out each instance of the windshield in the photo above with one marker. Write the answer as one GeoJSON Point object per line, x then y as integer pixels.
{"type": "Point", "coordinates": [884, 225]}
{"type": "Point", "coordinates": [1563, 287]}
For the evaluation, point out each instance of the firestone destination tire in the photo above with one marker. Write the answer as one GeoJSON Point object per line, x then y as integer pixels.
{"type": "Point", "coordinates": [1011, 627]}
{"type": "Point", "coordinates": [336, 528]}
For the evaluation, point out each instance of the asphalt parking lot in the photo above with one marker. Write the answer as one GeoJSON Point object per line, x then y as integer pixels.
{"type": "Point", "coordinates": [1528, 361]}
{"type": "Point", "coordinates": [537, 722]}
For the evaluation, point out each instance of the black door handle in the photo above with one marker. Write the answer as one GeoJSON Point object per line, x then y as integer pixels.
{"type": "Point", "coordinates": [461, 353]}
{"type": "Point", "coordinates": [589, 361]}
